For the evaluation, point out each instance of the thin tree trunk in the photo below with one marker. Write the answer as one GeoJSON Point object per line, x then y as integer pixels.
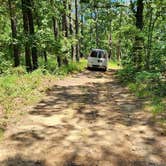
{"type": "Point", "coordinates": [149, 41]}
{"type": "Point", "coordinates": [119, 51]}
{"type": "Point", "coordinates": [32, 33]}
{"type": "Point", "coordinates": [38, 22]}
{"type": "Point", "coordinates": [77, 31]}
{"type": "Point", "coordinates": [64, 19]}
{"type": "Point", "coordinates": [45, 56]}
{"type": "Point", "coordinates": [150, 36]}
{"type": "Point", "coordinates": [14, 34]}
{"type": "Point", "coordinates": [26, 32]}
{"type": "Point", "coordinates": [71, 29]}
{"type": "Point", "coordinates": [65, 26]}
{"type": "Point", "coordinates": [138, 44]}
{"type": "Point", "coordinates": [55, 28]}
{"type": "Point", "coordinates": [82, 38]}
{"type": "Point", "coordinates": [110, 41]}
{"type": "Point", "coordinates": [96, 26]}
{"type": "Point", "coordinates": [139, 14]}
{"type": "Point", "coordinates": [56, 33]}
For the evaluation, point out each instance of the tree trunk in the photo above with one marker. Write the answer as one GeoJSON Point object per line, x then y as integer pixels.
{"type": "Point", "coordinates": [71, 29]}
{"type": "Point", "coordinates": [119, 51]}
{"type": "Point", "coordinates": [45, 56]}
{"type": "Point", "coordinates": [147, 59]}
{"type": "Point", "coordinates": [150, 37]}
{"type": "Point", "coordinates": [110, 41]}
{"type": "Point", "coordinates": [138, 44]}
{"type": "Point", "coordinates": [26, 32]}
{"type": "Point", "coordinates": [65, 26]}
{"type": "Point", "coordinates": [14, 34]}
{"type": "Point", "coordinates": [64, 19]}
{"type": "Point", "coordinates": [55, 28]}
{"type": "Point", "coordinates": [139, 14]}
{"type": "Point", "coordinates": [56, 33]}
{"type": "Point", "coordinates": [77, 31]}
{"type": "Point", "coordinates": [32, 34]}
{"type": "Point", "coordinates": [82, 38]}
{"type": "Point", "coordinates": [96, 26]}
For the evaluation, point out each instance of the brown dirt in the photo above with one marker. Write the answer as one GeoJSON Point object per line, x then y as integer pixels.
{"type": "Point", "coordinates": [85, 120]}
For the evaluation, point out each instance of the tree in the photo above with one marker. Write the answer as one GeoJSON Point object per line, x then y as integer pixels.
{"type": "Point", "coordinates": [61, 31]}
{"type": "Point", "coordinates": [64, 19]}
{"type": "Point", "coordinates": [71, 29]}
{"type": "Point", "coordinates": [77, 31]}
{"type": "Point", "coordinates": [26, 33]}
{"type": "Point", "coordinates": [32, 34]}
{"type": "Point", "coordinates": [138, 44]}
{"type": "Point", "coordinates": [14, 33]}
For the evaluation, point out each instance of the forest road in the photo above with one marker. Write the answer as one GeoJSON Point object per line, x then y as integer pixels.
{"type": "Point", "coordinates": [88, 119]}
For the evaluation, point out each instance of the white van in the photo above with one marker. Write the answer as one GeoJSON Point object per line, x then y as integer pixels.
{"type": "Point", "coordinates": [98, 59]}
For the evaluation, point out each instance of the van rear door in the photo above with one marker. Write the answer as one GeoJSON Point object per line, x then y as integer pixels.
{"type": "Point", "coordinates": [93, 58]}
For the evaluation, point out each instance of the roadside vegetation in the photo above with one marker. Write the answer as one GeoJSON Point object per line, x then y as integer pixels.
{"type": "Point", "coordinates": [149, 86]}
{"type": "Point", "coordinates": [19, 89]}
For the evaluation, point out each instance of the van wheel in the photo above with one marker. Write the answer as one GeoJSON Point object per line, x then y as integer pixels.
{"type": "Point", "coordinates": [105, 69]}
{"type": "Point", "coordinates": [88, 68]}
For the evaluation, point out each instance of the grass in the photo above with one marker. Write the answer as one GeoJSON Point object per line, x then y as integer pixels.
{"type": "Point", "coordinates": [19, 89]}
{"type": "Point", "coordinates": [149, 87]}
{"type": "Point", "coordinates": [72, 67]}
{"type": "Point", "coordinates": [157, 104]}
{"type": "Point", "coordinates": [114, 65]}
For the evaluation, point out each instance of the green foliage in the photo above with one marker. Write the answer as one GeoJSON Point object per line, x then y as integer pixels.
{"type": "Point", "coordinates": [148, 85]}
{"type": "Point", "coordinates": [72, 67]}
{"type": "Point", "coordinates": [113, 64]}
{"type": "Point", "coordinates": [5, 66]}
{"type": "Point", "coordinates": [19, 89]}
{"type": "Point", "coordinates": [153, 82]}
{"type": "Point", "coordinates": [127, 74]}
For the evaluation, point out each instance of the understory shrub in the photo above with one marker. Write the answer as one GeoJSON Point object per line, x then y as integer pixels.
{"type": "Point", "coordinates": [150, 85]}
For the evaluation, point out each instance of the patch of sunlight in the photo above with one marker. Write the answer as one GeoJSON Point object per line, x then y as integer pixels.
{"type": "Point", "coordinates": [114, 65]}
{"type": "Point", "coordinates": [70, 113]}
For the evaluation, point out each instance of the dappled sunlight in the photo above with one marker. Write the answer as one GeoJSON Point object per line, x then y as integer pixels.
{"type": "Point", "coordinates": [87, 120]}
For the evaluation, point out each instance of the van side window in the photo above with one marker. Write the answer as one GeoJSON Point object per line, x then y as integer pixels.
{"type": "Point", "coordinates": [100, 55]}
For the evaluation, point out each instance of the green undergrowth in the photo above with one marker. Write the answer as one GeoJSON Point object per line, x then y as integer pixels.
{"type": "Point", "coordinates": [72, 67]}
{"type": "Point", "coordinates": [149, 86]}
{"type": "Point", "coordinates": [114, 65]}
{"type": "Point", "coordinates": [19, 89]}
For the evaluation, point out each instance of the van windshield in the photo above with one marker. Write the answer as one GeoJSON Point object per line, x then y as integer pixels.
{"type": "Point", "coordinates": [94, 54]}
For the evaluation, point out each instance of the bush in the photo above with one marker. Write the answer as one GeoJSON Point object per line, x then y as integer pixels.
{"type": "Point", "coordinates": [152, 81]}
{"type": "Point", "coordinates": [72, 67]}
{"type": "Point", "coordinates": [150, 85]}
{"type": "Point", "coordinates": [128, 74]}
{"type": "Point", "coordinates": [5, 66]}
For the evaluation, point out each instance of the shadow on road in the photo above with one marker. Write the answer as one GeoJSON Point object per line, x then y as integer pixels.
{"type": "Point", "coordinates": [89, 120]}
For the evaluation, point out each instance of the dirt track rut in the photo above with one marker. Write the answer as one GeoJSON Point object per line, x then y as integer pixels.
{"type": "Point", "coordinates": [88, 119]}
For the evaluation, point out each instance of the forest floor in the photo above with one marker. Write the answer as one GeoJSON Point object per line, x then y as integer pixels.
{"type": "Point", "coordinates": [88, 119]}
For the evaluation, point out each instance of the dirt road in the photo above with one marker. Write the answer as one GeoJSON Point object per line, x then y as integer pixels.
{"type": "Point", "coordinates": [85, 120]}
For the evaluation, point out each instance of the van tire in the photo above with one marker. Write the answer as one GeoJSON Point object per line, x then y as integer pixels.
{"type": "Point", "coordinates": [105, 69]}
{"type": "Point", "coordinates": [88, 68]}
